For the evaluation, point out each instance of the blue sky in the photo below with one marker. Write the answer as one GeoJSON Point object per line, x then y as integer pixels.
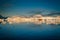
{"type": "Point", "coordinates": [23, 7]}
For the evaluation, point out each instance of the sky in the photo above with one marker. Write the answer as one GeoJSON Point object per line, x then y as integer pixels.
{"type": "Point", "coordinates": [29, 31]}
{"type": "Point", "coordinates": [24, 7]}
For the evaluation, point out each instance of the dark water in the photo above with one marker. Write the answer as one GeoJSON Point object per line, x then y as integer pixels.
{"type": "Point", "coordinates": [29, 32]}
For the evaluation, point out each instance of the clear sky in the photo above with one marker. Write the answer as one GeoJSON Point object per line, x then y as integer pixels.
{"type": "Point", "coordinates": [24, 7]}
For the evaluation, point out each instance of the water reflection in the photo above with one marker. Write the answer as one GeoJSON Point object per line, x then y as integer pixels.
{"type": "Point", "coordinates": [29, 31]}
